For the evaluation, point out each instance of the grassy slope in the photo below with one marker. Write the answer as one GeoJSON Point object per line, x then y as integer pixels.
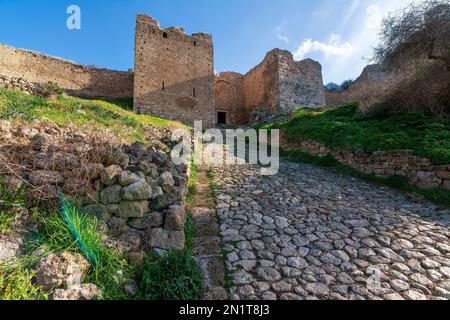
{"type": "Point", "coordinates": [83, 113]}
{"type": "Point", "coordinates": [342, 127]}
{"type": "Point", "coordinates": [54, 234]}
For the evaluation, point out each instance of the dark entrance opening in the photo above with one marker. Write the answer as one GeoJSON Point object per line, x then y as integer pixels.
{"type": "Point", "coordinates": [221, 118]}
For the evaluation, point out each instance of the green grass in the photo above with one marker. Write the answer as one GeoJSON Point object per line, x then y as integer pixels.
{"type": "Point", "coordinates": [189, 233]}
{"type": "Point", "coordinates": [343, 127]}
{"type": "Point", "coordinates": [9, 198]}
{"type": "Point", "coordinates": [175, 276]}
{"type": "Point", "coordinates": [114, 115]}
{"type": "Point", "coordinates": [109, 270]}
{"type": "Point", "coordinates": [213, 186]}
{"type": "Point", "coordinates": [399, 182]}
{"type": "Point", "coordinates": [192, 184]}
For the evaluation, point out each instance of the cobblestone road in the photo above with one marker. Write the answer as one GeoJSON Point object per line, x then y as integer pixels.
{"type": "Point", "coordinates": [307, 233]}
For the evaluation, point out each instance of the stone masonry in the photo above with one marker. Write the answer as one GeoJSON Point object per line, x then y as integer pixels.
{"type": "Point", "coordinates": [278, 83]}
{"type": "Point", "coordinates": [174, 73]}
{"type": "Point", "coordinates": [76, 79]}
{"type": "Point", "coordinates": [418, 170]}
{"type": "Point", "coordinates": [307, 234]}
{"type": "Point", "coordinates": [174, 78]}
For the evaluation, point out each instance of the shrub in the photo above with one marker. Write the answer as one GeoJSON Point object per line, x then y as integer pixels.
{"type": "Point", "coordinates": [52, 88]}
{"type": "Point", "coordinates": [175, 276]}
{"type": "Point", "coordinates": [18, 285]}
{"type": "Point", "coordinates": [6, 223]}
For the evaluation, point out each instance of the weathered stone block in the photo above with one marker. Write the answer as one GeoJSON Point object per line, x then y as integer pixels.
{"type": "Point", "coordinates": [109, 175]}
{"type": "Point", "coordinates": [166, 239]}
{"type": "Point", "coordinates": [149, 220]}
{"type": "Point", "coordinates": [127, 177]}
{"type": "Point", "coordinates": [175, 218]}
{"type": "Point", "coordinates": [132, 209]}
{"type": "Point", "coordinates": [117, 226]}
{"type": "Point", "coordinates": [444, 174]}
{"type": "Point", "coordinates": [111, 194]}
{"type": "Point", "coordinates": [166, 181]}
{"type": "Point", "coordinates": [139, 190]}
{"type": "Point", "coordinates": [98, 210]}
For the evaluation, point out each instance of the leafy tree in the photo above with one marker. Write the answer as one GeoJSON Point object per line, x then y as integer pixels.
{"type": "Point", "coordinates": [346, 84]}
{"type": "Point", "coordinates": [420, 30]}
{"type": "Point", "coordinates": [332, 87]}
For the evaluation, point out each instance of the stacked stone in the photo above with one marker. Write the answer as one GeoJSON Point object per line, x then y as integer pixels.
{"type": "Point", "coordinates": [22, 85]}
{"type": "Point", "coordinates": [142, 202]}
{"type": "Point", "coordinates": [419, 171]}
{"type": "Point", "coordinates": [136, 191]}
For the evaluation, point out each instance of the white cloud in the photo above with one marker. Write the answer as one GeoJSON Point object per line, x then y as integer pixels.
{"type": "Point", "coordinates": [334, 47]}
{"type": "Point", "coordinates": [359, 28]}
{"type": "Point", "coordinates": [279, 35]}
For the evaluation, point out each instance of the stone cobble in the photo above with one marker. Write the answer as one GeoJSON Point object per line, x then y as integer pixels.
{"type": "Point", "coordinates": [307, 233]}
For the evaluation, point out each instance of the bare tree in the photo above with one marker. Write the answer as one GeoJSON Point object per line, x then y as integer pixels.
{"type": "Point", "coordinates": [422, 30]}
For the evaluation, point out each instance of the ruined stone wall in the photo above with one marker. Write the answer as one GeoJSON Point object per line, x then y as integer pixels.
{"type": "Point", "coordinates": [174, 73]}
{"type": "Point", "coordinates": [74, 78]}
{"type": "Point", "coordinates": [369, 87]}
{"type": "Point", "coordinates": [301, 83]}
{"type": "Point", "coordinates": [260, 85]}
{"type": "Point", "coordinates": [418, 170]}
{"type": "Point", "coordinates": [230, 97]}
{"type": "Point", "coordinates": [278, 83]}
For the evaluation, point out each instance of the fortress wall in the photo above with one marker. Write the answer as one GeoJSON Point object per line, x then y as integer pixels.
{"type": "Point", "coordinates": [278, 83]}
{"type": "Point", "coordinates": [74, 78]}
{"type": "Point", "coordinates": [230, 97]}
{"type": "Point", "coordinates": [301, 83]}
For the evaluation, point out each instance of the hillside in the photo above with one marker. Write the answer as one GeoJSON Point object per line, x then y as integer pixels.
{"type": "Point", "coordinates": [405, 150]}
{"type": "Point", "coordinates": [89, 193]}
{"type": "Point", "coordinates": [344, 127]}
{"type": "Point", "coordinates": [115, 116]}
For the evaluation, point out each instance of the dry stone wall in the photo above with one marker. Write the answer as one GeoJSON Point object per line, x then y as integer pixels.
{"type": "Point", "coordinates": [418, 170]}
{"type": "Point", "coordinates": [174, 73]}
{"type": "Point", "coordinates": [74, 78]}
{"type": "Point", "coordinates": [135, 191]}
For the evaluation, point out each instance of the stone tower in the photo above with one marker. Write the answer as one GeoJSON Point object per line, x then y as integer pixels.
{"type": "Point", "coordinates": [174, 73]}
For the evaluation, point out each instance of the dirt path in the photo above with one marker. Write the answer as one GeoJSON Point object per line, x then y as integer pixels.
{"type": "Point", "coordinates": [207, 249]}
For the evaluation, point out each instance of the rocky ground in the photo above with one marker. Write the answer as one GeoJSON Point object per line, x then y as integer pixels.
{"type": "Point", "coordinates": [307, 233]}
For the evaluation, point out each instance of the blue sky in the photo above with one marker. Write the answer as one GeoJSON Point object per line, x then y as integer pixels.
{"type": "Point", "coordinates": [337, 33]}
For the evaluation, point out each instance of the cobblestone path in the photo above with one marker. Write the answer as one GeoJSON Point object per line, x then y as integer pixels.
{"type": "Point", "coordinates": [307, 233]}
